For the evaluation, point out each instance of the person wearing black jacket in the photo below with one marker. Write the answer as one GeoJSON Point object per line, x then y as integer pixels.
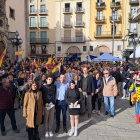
{"type": "Point", "coordinates": [115, 74]}
{"type": "Point", "coordinates": [49, 94]}
{"type": "Point", "coordinates": [14, 88]}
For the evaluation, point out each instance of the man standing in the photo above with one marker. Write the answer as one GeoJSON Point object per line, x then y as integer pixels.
{"type": "Point", "coordinates": [109, 92]}
{"type": "Point", "coordinates": [6, 106]}
{"type": "Point", "coordinates": [115, 74]}
{"type": "Point", "coordinates": [61, 88]}
{"type": "Point", "coordinates": [69, 75]}
{"type": "Point", "coordinates": [48, 94]}
{"type": "Point", "coordinates": [38, 73]}
{"type": "Point", "coordinates": [56, 74]}
{"type": "Point", "coordinates": [5, 75]}
{"type": "Point", "coordinates": [87, 86]}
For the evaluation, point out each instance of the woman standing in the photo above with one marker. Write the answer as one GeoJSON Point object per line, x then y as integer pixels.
{"type": "Point", "coordinates": [33, 110]}
{"type": "Point", "coordinates": [73, 97]}
{"type": "Point", "coordinates": [76, 80]}
{"type": "Point", "coordinates": [98, 83]}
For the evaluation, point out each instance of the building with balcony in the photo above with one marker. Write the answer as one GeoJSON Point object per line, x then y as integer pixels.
{"type": "Point", "coordinates": [101, 26]}
{"type": "Point", "coordinates": [42, 28]}
{"type": "Point", "coordinates": [10, 22]}
{"type": "Point", "coordinates": [72, 19]}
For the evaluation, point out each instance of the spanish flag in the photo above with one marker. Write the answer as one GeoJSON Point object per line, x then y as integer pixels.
{"type": "Point", "coordinates": [57, 66]}
{"type": "Point", "coordinates": [2, 56]}
{"type": "Point", "coordinates": [28, 57]}
{"type": "Point", "coordinates": [85, 65]}
{"type": "Point", "coordinates": [75, 63]}
{"type": "Point", "coordinates": [49, 63]}
{"type": "Point", "coordinates": [23, 68]}
{"type": "Point", "coordinates": [19, 53]}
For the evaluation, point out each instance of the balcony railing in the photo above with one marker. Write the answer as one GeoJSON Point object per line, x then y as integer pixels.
{"type": "Point", "coordinates": [131, 30]}
{"type": "Point", "coordinates": [115, 4]}
{"type": "Point", "coordinates": [39, 53]}
{"type": "Point", "coordinates": [72, 39]}
{"type": "Point", "coordinates": [79, 10]}
{"type": "Point", "coordinates": [67, 10]}
{"type": "Point", "coordinates": [130, 15]}
{"type": "Point", "coordinates": [33, 25]}
{"type": "Point", "coordinates": [116, 18]}
{"type": "Point", "coordinates": [43, 25]}
{"type": "Point", "coordinates": [99, 19]}
{"type": "Point", "coordinates": [39, 40]}
{"type": "Point", "coordinates": [107, 34]}
{"type": "Point", "coordinates": [67, 24]}
{"type": "Point", "coordinates": [100, 5]}
{"type": "Point", "coordinates": [79, 23]}
{"type": "Point", "coordinates": [134, 2]}
{"type": "Point", "coordinates": [43, 11]}
{"type": "Point", "coordinates": [32, 12]}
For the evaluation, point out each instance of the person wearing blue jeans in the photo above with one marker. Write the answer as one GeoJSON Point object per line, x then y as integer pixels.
{"type": "Point", "coordinates": [61, 88]}
{"type": "Point", "coordinates": [109, 92]}
{"type": "Point", "coordinates": [111, 100]}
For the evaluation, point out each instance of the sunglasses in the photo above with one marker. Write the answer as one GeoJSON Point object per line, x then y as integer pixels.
{"type": "Point", "coordinates": [105, 73]}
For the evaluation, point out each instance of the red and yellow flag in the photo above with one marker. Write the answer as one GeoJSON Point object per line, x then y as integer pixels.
{"type": "Point", "coordinates": [23, 68]}
{"type": "Point", "coordinates": [49, 63]}
{"type": "Point", "coordinates": [75, 63]}
{"type": "Point", "coordinates": [19, 53]}
{"type": "Point", "coordinates": [28, 57]}
{"type": "Point", "coordinates": [2, 56]}
{"type": "Point", "coordinates": [85, 65]}
{"type": "Point", "coordinates": [57, 66]}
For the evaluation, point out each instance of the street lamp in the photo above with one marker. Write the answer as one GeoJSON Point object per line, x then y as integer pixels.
{"type": "Point", "coordinates": [16, 42]}
{"type": "Point", "coordinates": [113, 20]}
{"type": "Point", "coordinates": [134, 40]}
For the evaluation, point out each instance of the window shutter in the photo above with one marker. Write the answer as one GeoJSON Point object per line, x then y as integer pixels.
{"type": "Point", "coordinates": [67, 20]}
{"type": "Point", "coordinates": [67, 33]}
{"type": "Point", "coordinates": [79, 19]}
{"type": "Point", "coordinates": [79, 33]}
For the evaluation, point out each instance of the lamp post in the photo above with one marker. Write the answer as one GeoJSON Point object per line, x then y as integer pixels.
{"type": "Point", "coordinates": [16, 42]}
{"type": "Point", "coordinates": [134, 40]}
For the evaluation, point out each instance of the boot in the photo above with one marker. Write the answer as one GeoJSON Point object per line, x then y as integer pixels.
{"type": "Point", "coordinates": [76, 132]}
{"type": "Point", "coordinates": [71, 131]}
{"type": "Point", "coordinates": [137, 117]}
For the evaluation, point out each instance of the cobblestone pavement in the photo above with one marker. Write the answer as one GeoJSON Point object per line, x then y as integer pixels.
{"type": "Point", "coordinates": [121, 127]}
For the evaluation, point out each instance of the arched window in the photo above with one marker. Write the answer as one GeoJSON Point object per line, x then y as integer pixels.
{"type": "Point", "coordinates": [1, 23]}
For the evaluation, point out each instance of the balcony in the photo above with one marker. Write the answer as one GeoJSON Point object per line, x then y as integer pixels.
{"type": "Point", "coordinates": [136, 16]}
{"type": "Point", "coordinates": [115, 5]}
{"type": "Point", "coordinates": [79, 10]}
{"type": "Point", "coordinates": [43, 12]}
{"type": "Point", "coordinates": [100, 19]}
{"type": "Point", "coordinates": [134, 2]}
{"type": "Point", "coordinates": [107, 34]}
{"type": "Point", "coordinates": [100, 6]}
{"type": "Point", "coordinates": [39, 40]}
{"type": "Point", "coordinates": [32, 12]}
{"type": "Point", "coordinates": [44, 25]}
{"type": "Point", "coordinates": [79, 24]}
{"type": "Point", "coordinates": [67, 11]}
{"type": "Point", "coordinates": [67, 24]}
{"type": "Point", "coordinates": [116, 19]}
{"type": "Point", "coordinates": [72, 39]}
{"type": "Point", "coordinates": [130, 16]}
{"type": "Point", "coordinates": [32, 25]}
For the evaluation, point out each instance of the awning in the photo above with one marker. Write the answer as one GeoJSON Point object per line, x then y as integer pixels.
{"type": "Point", "coordinates": [137, 53]}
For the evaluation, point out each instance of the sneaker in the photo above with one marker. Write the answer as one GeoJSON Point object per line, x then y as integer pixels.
{"type": "Point", "coordinates": [46, 135]}
{"type": "Point", "coordinates": [51, 134]}
{"type": "Point", "coordinates": [93, 111]}
{"type": "Point", "coordinates": [106, 113]}
{"type": "Point", "coordinates": [98, 112]}
{"type": "Point", "coordinates": [16, 131]}
{"type": "Point", "coordinates": [111, 116]}
{"type": "Point", "coordinates": [3, 133]}
{"type": "Point", "coordinates": [123, 97]}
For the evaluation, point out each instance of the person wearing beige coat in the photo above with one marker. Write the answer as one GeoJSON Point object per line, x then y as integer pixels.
{"type": "Point", "coordinates": [33, 110]}
{"type": "Point", "coordinates": [109, 92]}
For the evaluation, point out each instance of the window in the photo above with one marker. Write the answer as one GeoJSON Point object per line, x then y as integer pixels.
{"type": "Point", "coordinates": [115, 15]}
{"type": "Point", "coordinates": [43, 36]}
{"type": "Point", "coordinates": [84, 48]}
{"type": "Point", "coordinates": [99, 1]}
{"type": "Point", "coordinates": [99, 30]}
{"type": "Point", "coordinates": [31, 1]}
{"type": "Point", "coordinates": [43, 22]}
{"type": "Point", "coordinates": [91, 48]}
{"type": "Point", "coordinates": [59, 48]}
{"type": "Point", "coordinates": [32, 9]}
{"type": "Point", "coordinates": [67, 7]}
{"type": "Point", "coordinates": [67, 35]}
{"type": "Point", "coordinates": [99, 15]}
{"type": "Point", "coordinates": [112, 30]}
{"type": "Point", "coordinates": [79, 6]}
{"type": "Point", "coordinates": [43, 49]}
{"type": "Point", "coordinates": [79, 35]}
{"type": "Point", "coordinates": [32, 37]}
{"type": "Point", "coordinates": [42, 0]}
{"type": "Point", "coordinates": [67, 21]}
{"type": "Point", "coordinates": [32, 22]}
{"type": "Point", "coordinates": [78, 20]}
{"type": "Point", "coordinates": [119, 47]}
{"type": "Point", "coordinates": [12, 13]}
{"type": "Point", "coordinates": [1, 23]}
{"type": "Point", "coordinates": [33, 49]}
{"type": "Point", "coordinates": [43, 8]}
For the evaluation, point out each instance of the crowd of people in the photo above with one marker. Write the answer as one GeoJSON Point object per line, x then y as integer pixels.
{"type": "Point", "coordinates": [75, 88]}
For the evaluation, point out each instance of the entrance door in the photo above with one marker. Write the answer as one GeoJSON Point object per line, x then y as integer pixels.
{"type": "Point", "coordinates": [132, 27]}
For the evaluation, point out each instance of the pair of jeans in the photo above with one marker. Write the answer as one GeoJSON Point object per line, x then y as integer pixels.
{"type": "Point", "coordinates": [11, 114]}
{"type": "Point", "coordinates": [137, 106]}
{"type": "Point", "coordinates": [111, 100]}
{"type": "Point", "coordinates": [61, 106]}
